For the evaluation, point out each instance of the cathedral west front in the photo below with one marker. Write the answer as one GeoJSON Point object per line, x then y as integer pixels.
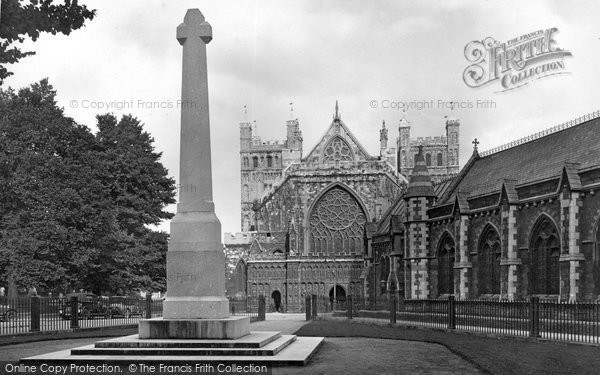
{"type": "Point", "coordinates": [304, 212]}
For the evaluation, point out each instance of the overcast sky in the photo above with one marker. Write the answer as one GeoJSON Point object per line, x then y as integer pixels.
{"type": "Point", "coordinates": [266, 54]}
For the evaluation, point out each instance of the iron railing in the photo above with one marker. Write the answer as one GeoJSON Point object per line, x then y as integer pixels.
{"type": "Point", "coordinates": [252, 306]}
{"type": "Point", "coordinates": [552, 320]}
{"type": "Point", "coordinates": [35, 314]}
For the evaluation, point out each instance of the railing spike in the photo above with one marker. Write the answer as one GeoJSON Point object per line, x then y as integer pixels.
{"type": "Point", "coordinates": [543, 133]}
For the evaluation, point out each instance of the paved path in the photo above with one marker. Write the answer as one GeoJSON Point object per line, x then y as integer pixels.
{"type": "Point", "coordinates": [336, 356]}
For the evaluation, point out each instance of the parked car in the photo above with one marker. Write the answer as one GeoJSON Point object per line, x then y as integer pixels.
{"type": "Point", "coordinates": [89, 305]}
{"type": "Point", "coordinates": [7, 313]}
{"type": "Point", "coordinates": [127, 306]}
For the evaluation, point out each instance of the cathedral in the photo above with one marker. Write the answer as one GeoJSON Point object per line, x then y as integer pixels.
{"type": "Point", "coordinates": [304, 217]}
{"type": "Point", "coordinates": [517, 221]}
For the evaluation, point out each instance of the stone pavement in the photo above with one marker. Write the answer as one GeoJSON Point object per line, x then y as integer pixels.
{"type": "Point", "coordinates": [354, 355]}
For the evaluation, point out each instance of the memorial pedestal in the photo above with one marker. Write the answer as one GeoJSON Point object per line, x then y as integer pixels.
{"type": "Point", "coordinates": [232, 327]}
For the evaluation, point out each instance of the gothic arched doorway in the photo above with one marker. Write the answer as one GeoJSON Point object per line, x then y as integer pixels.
{"type": "Point", "coordinates": [276, 297]}
{"type": "Point", "coordinates": [337, 295]}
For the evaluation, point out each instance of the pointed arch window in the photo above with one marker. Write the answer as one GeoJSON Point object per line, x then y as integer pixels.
{"type": "Point", "coordinates": [446, 254]}
{"type": "Point", "coordinates": [439, 159]}
{"type": "Point", "coordinates": [428, 159]}
{"type": "Point", "coordinates": [337, 150]}
{"type": "Point", "coordinates": [255, 162]}
{"type": "Point", "coordinates": [489, 261]}
{"type": "Point", "coordinates": [336, 224]}
{"type": "Point", "coordinates": [544, 259]}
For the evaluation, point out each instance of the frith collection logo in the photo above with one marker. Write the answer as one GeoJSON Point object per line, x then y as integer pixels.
{"type": "Point", "coordinates": [515, 63]}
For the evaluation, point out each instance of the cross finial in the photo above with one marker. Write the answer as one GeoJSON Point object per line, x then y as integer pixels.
{"type": "Point", "coordinates": [475, 143]}
{"type": "Point", "coordinates": [194, 25]}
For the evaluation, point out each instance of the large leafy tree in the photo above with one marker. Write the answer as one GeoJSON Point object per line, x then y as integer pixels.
{"type": "Point", "coordinates": [139, 187]}
{"type": "Point", "coordinates": [21, 19]}
{"type": "Point", "coordinates": [48, 194]}
{"type": "Point", "coordinates": [76, 209]}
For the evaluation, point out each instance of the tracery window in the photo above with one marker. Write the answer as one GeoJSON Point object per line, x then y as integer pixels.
{"type": "Point", "coordinates": [545, 253]}
{"type": "Point", "coordinates": [489, 261]}
{"type": "Point", "coordinates": [446, 252]}
{"type": "Point", "coordinates": [336, 224]}
{"type": "Point", "coordinates": [337, 150]}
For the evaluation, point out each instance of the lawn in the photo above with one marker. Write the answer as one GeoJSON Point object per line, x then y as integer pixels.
{"type": "Point", "coordinates": [488, 354]}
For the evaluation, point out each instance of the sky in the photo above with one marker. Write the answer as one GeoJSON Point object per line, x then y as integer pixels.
{"type": "Point", "coordinates": [369, 56]}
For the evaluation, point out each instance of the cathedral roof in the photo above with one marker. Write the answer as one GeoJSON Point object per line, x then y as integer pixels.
{"type": "Point", "coordinates": [532, 161]}
{"type": "Point", "coordinates": [419, 184]}
{"type": "Point", "coordinates": [398, 208]}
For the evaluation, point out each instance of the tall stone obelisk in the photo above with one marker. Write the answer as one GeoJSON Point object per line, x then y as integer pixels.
{"type": "Point", "coordinates": [195, 259]}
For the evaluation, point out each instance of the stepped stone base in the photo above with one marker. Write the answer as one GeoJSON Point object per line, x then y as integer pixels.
{"type": "Point", "coordinates": [232, 327]}
{"type": "Point", "coordinates": [258, 348]}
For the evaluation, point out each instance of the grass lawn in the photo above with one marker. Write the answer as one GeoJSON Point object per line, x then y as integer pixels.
{"type": "Point", "coordinates": [490, 355]}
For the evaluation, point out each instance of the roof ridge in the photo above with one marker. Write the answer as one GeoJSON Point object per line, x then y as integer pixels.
{"type": "Point", "coordinates": [543, 133]}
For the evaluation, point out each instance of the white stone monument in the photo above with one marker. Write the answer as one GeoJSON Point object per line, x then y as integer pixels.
{"type": "Point", "coordinates": [196, 306]}
{"type": "Point", "coordinates": [196, 326]}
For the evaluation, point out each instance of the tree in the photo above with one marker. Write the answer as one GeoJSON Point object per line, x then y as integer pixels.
{"type": "Point", "coordinates": [76, 209]}
{"type": "Point", "coordinates": [28, 19]}
{"type": "Point", "coordinates": [50, 216]}
{"type": "Point", "coordinates": [139, 188]}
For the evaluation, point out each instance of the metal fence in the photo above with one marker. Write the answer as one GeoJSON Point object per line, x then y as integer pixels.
{"type": "Point", "coordinates": [251, 306]}
{"type": "Point", "coordinates": [35, 314]}
{"type": "Point", "coordinates": [561, 321]}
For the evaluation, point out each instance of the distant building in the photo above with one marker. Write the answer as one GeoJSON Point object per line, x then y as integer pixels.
{"type": "Point", "coordinates": [304, 217]}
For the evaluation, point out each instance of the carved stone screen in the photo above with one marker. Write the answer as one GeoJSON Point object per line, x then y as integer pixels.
{"type": "Point", "coordinates": [337, 150]}
{"type": "Point", "coordinates": [336, 224]}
